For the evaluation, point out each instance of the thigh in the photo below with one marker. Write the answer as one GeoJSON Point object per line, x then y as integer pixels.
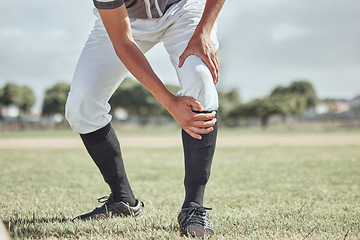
{"type": "Point", "coordinates": [99, 71]}
{"type": "Point", "coordinates": [194, 76]}
{"type": "Point", "coordinates": [98, 74]}
{"type": "Point", "coordinates": [183, 25]}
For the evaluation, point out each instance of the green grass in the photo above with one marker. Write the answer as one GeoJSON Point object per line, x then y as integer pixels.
{"type": "Point", "coordinates": [255, 193]}
{"type": "Point", "coordinates": [128, 130]}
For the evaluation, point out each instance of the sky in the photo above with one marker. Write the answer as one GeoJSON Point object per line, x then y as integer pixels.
{"type": "Point", "coordinates": [263, 44]}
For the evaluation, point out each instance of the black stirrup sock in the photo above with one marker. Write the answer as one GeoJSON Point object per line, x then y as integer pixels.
{"type": "Point", "coordinates": [198, 156]}
{"type": "Point", "coordinates": [104, 148]}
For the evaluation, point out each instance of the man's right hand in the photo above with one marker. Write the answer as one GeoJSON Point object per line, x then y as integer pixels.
{"type": "Point", "coordinates": [191, 122]}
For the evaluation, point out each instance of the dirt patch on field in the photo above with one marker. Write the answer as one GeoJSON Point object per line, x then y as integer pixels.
{"type": "Point", "coordinates": [175, 141]}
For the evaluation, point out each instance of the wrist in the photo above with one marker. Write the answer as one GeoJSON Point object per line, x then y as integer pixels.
{"type": "Point", "coordinates": [202, 30]}
{"type": "Point", "coordinates": [168, 101]}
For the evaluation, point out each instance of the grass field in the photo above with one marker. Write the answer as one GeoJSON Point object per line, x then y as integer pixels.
{"type": "Point", "coordinates": [256, 192]}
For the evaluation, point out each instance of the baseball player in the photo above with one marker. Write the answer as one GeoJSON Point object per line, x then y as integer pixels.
{"type": "Point", "coordinates": [123, 32]}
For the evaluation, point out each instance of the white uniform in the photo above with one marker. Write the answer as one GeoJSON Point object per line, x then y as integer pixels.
{"type": "Point", "coordinates": [99, 71]}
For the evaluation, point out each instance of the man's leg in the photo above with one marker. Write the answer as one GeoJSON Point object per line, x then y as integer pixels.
{"type": "Point", "coordinates": [104, 148]}
{"type": "Point", "coordinates": [195, 81]}
{"type": "Point", "coordinates": [198, 156]}
{"type": "Point", "coordinates": [87, 110]}
{"type": "Point", "coordinates": [98, 74]}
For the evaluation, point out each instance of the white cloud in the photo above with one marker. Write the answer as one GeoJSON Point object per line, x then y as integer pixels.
{"type": "Point", "coordinates": [263, 43]}
{"type": "Point", "coordinates": [285, 31]}
{"type": "Point", "coordinates": [268, 43]}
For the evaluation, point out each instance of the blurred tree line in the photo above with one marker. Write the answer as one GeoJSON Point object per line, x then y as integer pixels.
{"type": "Point", "coordinates": [292, 100]}
{"type": "Point", "coordinates": [132, 97]}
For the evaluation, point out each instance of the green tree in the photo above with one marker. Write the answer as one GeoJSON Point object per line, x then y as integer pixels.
{"type": "Point", "coordinates": [1, 103]}
{"type": "Point", "coordinates": [279, 90]}
{"type": "Point", "coordinates": [305, 89]}
{"type": "Point", "coordinates": [28, 99]}
{"type": "Point", "coordinates": [137, 100]}
{"type": "Point", "coordinates": [295, 99]}
{"type": "Point", "coordinates": [1, 96]}
{"type": "Point", "coordinates": [21, 96]}
{"type": "Point", "coordinates": [262, 108]}
{"type": "Point", "coordinates": [284, 101]}
{"type": "Point", "coordinates": [290, 104]}
{"type": "Point", "coordinates": [227, 102]}
{"type": "Point", "coordinates": [12, 95]}
{"type": "Point", "coordinates": [55, 99]}
{"type": "Point", "coordinates": [134, 98]}
{"type": "Point", "coordinates": [299, 88]}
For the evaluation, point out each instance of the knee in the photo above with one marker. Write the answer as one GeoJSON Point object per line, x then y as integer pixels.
{"type": "Point", "coordinates": [84, 112]}
{"type": "Point", "coordinates": [73, 109]}
{"type": "Point", "coordinates": [196, 81]}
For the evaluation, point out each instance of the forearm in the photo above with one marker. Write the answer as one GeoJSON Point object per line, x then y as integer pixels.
{"type": "Point", "coordinates": [118, 27]}
{"type": "Point", "coordinates": [137, 64]}
{"type": "Point", "coordinates": [211, 11]}
{"type": "Point", "coordinates": [201, 43]}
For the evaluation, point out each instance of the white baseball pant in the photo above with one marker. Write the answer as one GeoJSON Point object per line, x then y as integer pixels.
{"type": "Point", "coordinates": [99, 71]}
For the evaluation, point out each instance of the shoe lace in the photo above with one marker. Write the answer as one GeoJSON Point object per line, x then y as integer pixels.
{"type": "Point", "coordinates": [104, 199]}
{"type": "Point", "coordinates": [197, 215]}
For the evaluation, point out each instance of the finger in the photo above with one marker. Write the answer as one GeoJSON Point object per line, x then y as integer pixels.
{"type": "Point", "coordinates": [216, 76]}
{"type": "Point", "coordinates": [204, 124]}
{"type": "Point", "coordinates": [192, 134]}
{"type": "Point", "coordinates": [217, 61]}
{"type": "Point", "coordinates": [213, 69]}
{"type": "Point", "coordinates": [182, 58]}
{"type": "Point", "coordinates": [217, 69]}
{"type": "Point", "coordinates": [196, 104]}
{"type": "Point", "coordinates": [214, 66]}
{"type": "Point", "coordinates": [196, 130]}
{"type": "Point", "coordinates": [204, 116]}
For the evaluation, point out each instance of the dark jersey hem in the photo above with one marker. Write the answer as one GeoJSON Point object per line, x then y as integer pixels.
{"type": "Point", "coordinates": [108, 5]}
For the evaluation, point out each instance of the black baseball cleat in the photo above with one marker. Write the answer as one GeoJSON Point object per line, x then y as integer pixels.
{"type": "Point", "coordinates": [112, 208]}
{"type": "Point", "coordinates": [194, 221]}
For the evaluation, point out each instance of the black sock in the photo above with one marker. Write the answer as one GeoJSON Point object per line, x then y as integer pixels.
{"type": "Point", "coordinates": [104, 148]}
{"type": "Point", "coordinates": [198, 156]}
